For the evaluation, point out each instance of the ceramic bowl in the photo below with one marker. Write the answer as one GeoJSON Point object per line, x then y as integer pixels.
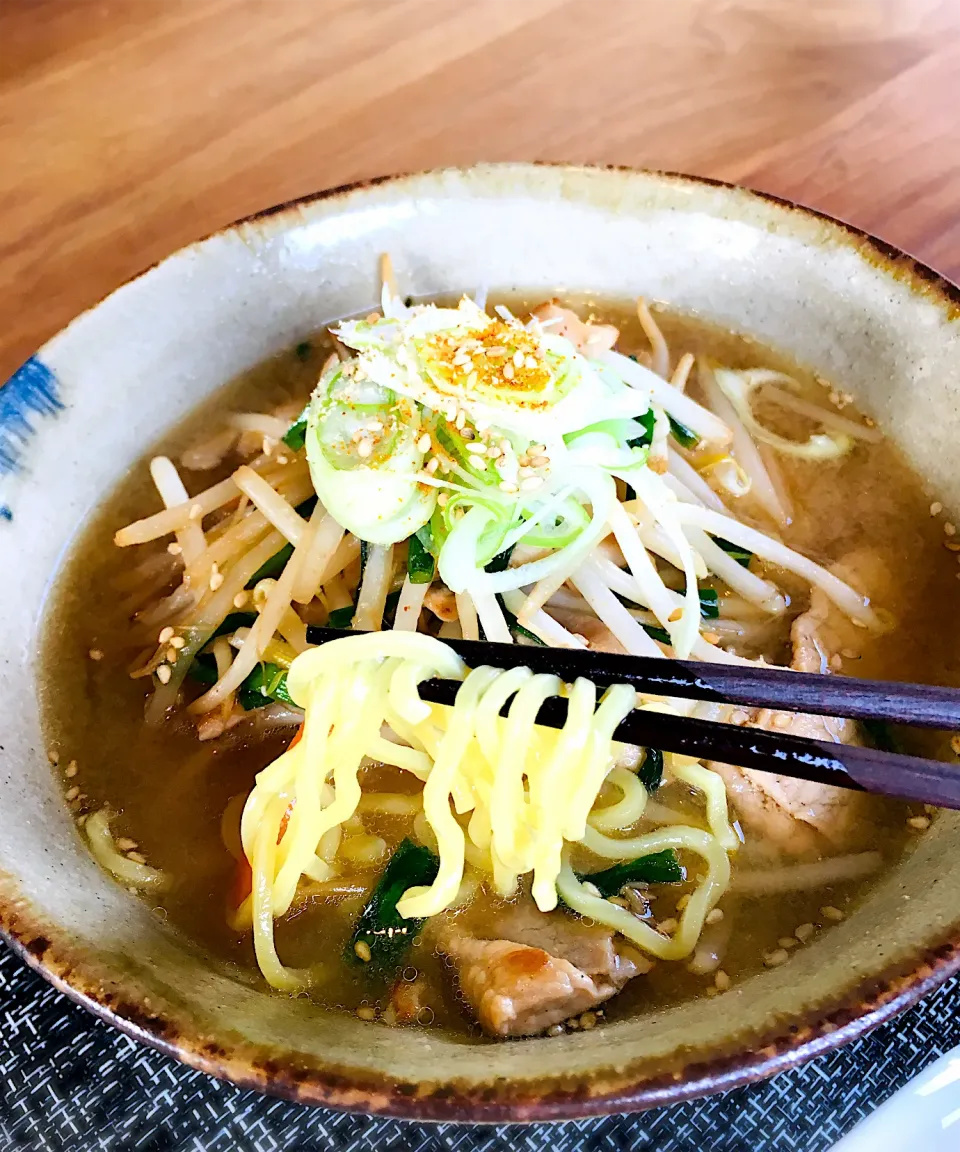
{"type": "Point", "coordinates": [80, 413]}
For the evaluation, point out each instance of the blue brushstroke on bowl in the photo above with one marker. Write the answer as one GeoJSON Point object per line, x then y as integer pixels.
{"type": "Point", "coordinates": [30, 392]}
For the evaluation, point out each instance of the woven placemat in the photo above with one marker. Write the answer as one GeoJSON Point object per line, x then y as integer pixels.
{"type": "Point", "coordinates": [71, 1084]}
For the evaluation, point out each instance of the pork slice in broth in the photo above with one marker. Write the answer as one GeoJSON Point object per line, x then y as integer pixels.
{"type": "Point", "coordinates": [535, 970]}
{"type": "Point", "coordinates": [800, 817]}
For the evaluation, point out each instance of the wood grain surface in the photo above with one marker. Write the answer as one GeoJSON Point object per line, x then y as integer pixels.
{"type": "Point", "coordinates": [131, 127]}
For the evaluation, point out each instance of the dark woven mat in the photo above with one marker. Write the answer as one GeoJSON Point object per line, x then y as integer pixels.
{"type": "Point", "coordinates": [71, 1084]}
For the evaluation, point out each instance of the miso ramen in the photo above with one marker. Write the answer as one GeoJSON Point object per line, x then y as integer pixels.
{"type": "Point", "coordinates": [571, 474]}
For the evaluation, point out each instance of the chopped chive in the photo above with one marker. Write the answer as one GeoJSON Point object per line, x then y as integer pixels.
{"type": "Point", "coordinates": [709, 603]}
{"type": "Point", "coordinates": [651, 770]}
{"type": "Point", "coordinates": [741, 555]}
{"type": "Point", "coordinates": [380, 927]}
{"type": "Point", "coordinates": [648, 419]}
{"type": "Point", "coordinates": [682, 434]}
{"type": "Point", "coordinates": [657, 868]}
{"type": "Point", "coordinates": [341, 617]}
{"type": "Point", "coordinates": [421, 567]}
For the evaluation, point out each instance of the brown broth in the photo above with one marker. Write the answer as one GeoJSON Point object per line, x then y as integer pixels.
{"type": "Point", "coordinates": [169, 792]}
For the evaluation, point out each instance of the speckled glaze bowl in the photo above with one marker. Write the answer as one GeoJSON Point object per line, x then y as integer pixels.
{"type": "Point", "coordinates": [80, 413]}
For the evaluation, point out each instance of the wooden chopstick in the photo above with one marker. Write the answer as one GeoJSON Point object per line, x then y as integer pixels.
{"type": "Point", "coordinates": [824, 762]}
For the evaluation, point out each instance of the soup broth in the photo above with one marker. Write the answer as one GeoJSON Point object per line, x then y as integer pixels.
{"type": "Point", "coordinates": [176, 800]}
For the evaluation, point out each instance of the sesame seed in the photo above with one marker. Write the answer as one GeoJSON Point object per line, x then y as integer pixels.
{"type": "Point", "coordinates": [507, 486]}
{"type": "Point", "coordinates": [494, 451]}
{"type": "Point", "coordinates": [163, 673]}
{"type": "Point", "coordinates": [216, 579]}
{"type": "Point", "coordinates": [443, 498]}
{"type": "Point", "coordinates": [479, 462]}
{"type": "Point", "coordinates": [870, 422]}
{"type": "Point", "coordinates": [538, 449]}
{"type": "Point", "coordinates": [803, 932]}
{"type": "Point", "coordinates": [268, 445]}
{"type": "Point", "coordinates": [787, 942]}
{"type": "Point", "coordinates": [196, 511]}
{"type": "Point", "coordinates": [830, 913]}
{"type": "Point", "coordinates": [367, 1013]}
{"type": "Point", "coordinates": [71, 769]}
{"type": "Point", "coordinates": [364, 448]}
{"type": "Point", "coordinates": [921, 823]}
{"type": "Point", "coordinates": [171, 656]}
{"type": "Point", "coordinates": [936, 508]}
{"type": "Point", "coordinates": [423, 444]}
{"type": "Point", "coordinates": [125, 844]}
{"type": "Point", "coordinates": [174, 549]}
{"type": "Point", "coordinates": [683, 901]}
{"type": "Point", "coordinates": [555, 1030]}
{"type": "Point", "coordinates": [530, 483]}
{"type": "Point", "coordinates": [676, 614]}
{"type": "Point", "coordinates": [177, 642]}
{"type": "Point", "coordinates": [362, 949]}
{"type": "Point", "coordinates": [283, 460]}
{"type": "Point", "coordinates": [774, 959]}
{"type": "Point", "coordinates": [432, 465]}
{"type": "Point", "coordinates": [523, 472]}
{"type": "Point", "coordinates": [508, 371]}
{"type": "Point", "coordinates": [476, 447]}
{"type": "Point", "coordinates": [374, 426]}
{"type": "Point", "coordinates": [955, 744]}
{"type": "Point", "coordinates": [721, 980]}
{"type": "Point", "coordinates": [53, 756]}
{"type": "Point", "coordinates": [951, 545]}
{"type": "Point", "coordinates": [460, 420]}
{"type": "Point", "coordinates": [73, 793]}
{"type": "Point", "coordinates": [95, 654]}
{"type": "Point", "coordinates": [835, 662]}
{"type": "Point", "coordinates": [950, 529]}
{"type": "Point", "coordinates": [373, 317]}
{"type": "Point", "coordinates": [539, 461]}
{"type": "Point", "coordinates": [714, 916]}
{"type": "Point", "coordinates": [667, 927]}
{"type": "Point", "coordinates": [137, 857]}
{"type": "Point", "coordinates": [518, 359]}
{"type": "Point", "coordinates": [588, 1020]}
{"type": "Point", "coordinates": [504, 445]}
{"type": "Point", "coordinates": [849, 653]}
{"type": "Point", "coordinates": [471, 383]}
{"type": "Point", "coordinates": [166, 635]}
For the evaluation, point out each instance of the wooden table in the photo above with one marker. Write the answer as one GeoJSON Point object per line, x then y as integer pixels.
{"type": "Point", "coordinates": [130, 127]}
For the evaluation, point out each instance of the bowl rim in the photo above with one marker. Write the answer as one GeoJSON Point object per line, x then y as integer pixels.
{"type": "Point", "coordinates": [821, 1030]}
